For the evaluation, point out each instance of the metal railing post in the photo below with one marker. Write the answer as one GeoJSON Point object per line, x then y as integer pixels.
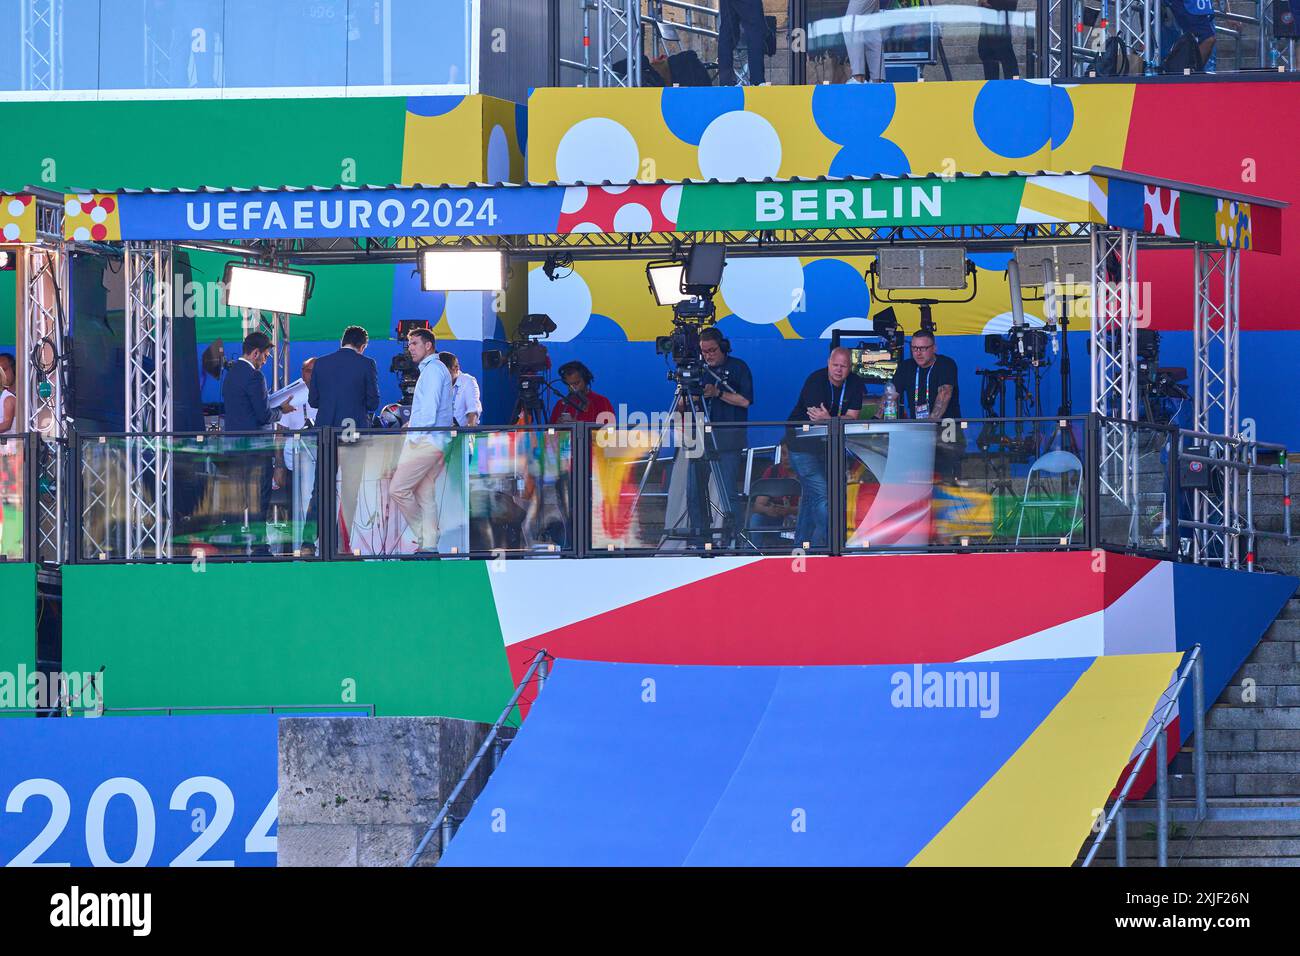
{"type": "Point", "coordinates": [836, 496]}
{"type": "Point", "coordinates": [31, 481]}
{"type": "Point", "coordinates": [1162, 798]}
{"type": "Point", "coordinates": [443, 823]}
{"type": "Point", "coordinates": [446, 830]}
{"type": "Point", "coordinates": [1121, 838]}
{"type": "Point", "coordinates": [1161, 717]}
{"type": "Point", "coordinates": [581, 496]}
{"type": "Point", "coordinates": [1093, 497]}
{"type": "Point", "coordinates": [1198, 734]}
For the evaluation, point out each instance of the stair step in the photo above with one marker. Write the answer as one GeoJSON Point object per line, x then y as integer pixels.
{"type": "Point", "coordinates": [1271, 674]}
{"type": "Point", "coordinates": [1264, 697]}
{"type": "Point", "coordinates": [1200, 847]}
{"type": "Point", "coordinates": [1273, 651]}
{"type": "Point", "coordinates": [1284, 629]}
{"type": "Point", "coordinates": [1230, 861]}
{"type": "Point", "coordinates": [1257, 761]}
{"type": "Point", "coordinates": [1237, 784]}
{"type": "Point", "coordinates": [1253, 717]}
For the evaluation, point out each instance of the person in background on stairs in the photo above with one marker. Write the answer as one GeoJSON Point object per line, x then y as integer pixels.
{"type": "Point", "coordinates": [1196, 19]}
{"type": "Point", "coordinates": [732, 16]}
{"type": "Point", "coordinates": [994, 46]}
{"type": "Point", "coordinates": [866, 48]}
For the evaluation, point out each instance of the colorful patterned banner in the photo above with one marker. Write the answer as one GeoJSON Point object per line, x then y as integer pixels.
{"type": "Point", "coordinates": [17, 218]}
{"type": "Point", "coordinates": [657, 207]}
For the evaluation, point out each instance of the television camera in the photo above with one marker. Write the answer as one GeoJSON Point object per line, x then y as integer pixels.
{"type": "Point", "coordinates": [689, 287]}
{"type": "Point", "coordinates": [1158, 388]}
{"type": "Point", "coordinates": [402, 365]}
{"type": "Point", "coordinates": [526, 360]}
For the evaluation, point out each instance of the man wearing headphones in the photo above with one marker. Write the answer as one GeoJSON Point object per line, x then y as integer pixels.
{"type": "Point", "coordinates": [728, 393]}
{"type": "Point", "coordinates": [581, 404]}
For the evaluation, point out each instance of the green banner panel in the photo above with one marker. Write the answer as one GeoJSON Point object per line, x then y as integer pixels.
{"type": "Point", "coordinates": [165, 144]}
{"type": "Point", "coordinates": [191, 143]}
{"type": "Point", "coordinates": [1196, 220]}
{"type": "Point", "coordinates": [815, 205]}
{"type": "Point", "coordinates": [414, 639]}
{"type": "Point", "coordinates": [18, 635]}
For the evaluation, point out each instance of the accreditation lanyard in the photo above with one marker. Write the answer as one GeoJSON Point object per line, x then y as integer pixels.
{"type": "Point", "coordinates": [838, 404]}
{"type": "Point", "coordinates": [921, 399]}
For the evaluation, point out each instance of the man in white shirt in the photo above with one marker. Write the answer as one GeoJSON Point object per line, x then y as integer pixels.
{"type": "Point", "coordinates": [421, 462]}
{"type": "Point", "coordinates": [467, 404]}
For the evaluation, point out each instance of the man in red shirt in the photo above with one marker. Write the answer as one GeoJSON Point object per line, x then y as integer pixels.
{"type": "Point", "coordinates": [581, 404]}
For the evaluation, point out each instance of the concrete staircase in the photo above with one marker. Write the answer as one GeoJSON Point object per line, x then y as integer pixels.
{"type": "Point", "coordinates": [1252, 737]}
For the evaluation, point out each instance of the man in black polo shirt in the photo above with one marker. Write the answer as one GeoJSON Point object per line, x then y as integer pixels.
{"type": "Point", "coordinates": [926, 385]}
{"type": "Point", "coordinates": [832, 392]}
{"type": "Point", "coordinates": [728, 393]}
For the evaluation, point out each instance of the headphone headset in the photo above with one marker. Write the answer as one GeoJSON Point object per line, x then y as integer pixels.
{"type": "Point", "coordinates": [723, 342]}
{"type": "Point", "coordinates": [569, 368]}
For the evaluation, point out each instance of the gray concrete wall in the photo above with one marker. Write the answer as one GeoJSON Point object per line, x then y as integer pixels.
{"type": "Point", "coordinates": [360, 791]}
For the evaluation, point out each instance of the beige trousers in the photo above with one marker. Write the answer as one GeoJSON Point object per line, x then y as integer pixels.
{"type": "Point", "coordinates": [413, 489]}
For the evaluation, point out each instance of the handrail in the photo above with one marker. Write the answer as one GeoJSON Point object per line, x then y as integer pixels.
{"type": "Point", "coordinates": [1164, 710]}
{"type": "Point", "coordinates": [540, 665]}
{"type": "Point", "coordinates": [1241, 456]}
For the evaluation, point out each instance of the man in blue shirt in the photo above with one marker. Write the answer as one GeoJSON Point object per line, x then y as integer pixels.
{"type": "Point", "coordinates": [246, 410]}
{"type": "Point", "coordinates": [244, 388]}
{"type": "Point", "coordinates": [1196, 19]}
{"type": "Point", "coordinates": [728, 393]}
{"type": "Point", "coordinates": [344, 390]}
{"type": "Point", "coordinates": [414, 483]}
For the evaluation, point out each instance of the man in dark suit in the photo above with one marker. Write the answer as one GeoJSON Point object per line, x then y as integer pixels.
{"type": "Point", "coordinates": [344, 390]}
{"type": "Point", "coordinates": [244, 393]}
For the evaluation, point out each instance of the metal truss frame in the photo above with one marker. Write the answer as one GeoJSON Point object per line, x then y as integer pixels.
{"type": "Point", "coordinates": [1113, 320]}
{"type": "Point", "coordinates": [618, 36]}
{"type": "Point", "coordinates": [44, 339]}
{"type": "Point", "coordinates": [157, 56]}
{"type": "Point", "coordinates": [280, 341]}
{"type": "Point", "coordinates": [1216, 334]}
{"type": "Point", "coordinates": [1133, 25]}
{"type": "Point", "coordinates": [42, 44]}
{"type": "Point", "coordinates": [100, 501]}
{"type": "Point", "coordinates": [1060, 24]}
{"type": "Point", "coordinates": [650, 245]}
{"type": "Point", "coordinates": [1274, 51]}
{"type": "Point", "coordinates": [149, 274]}
{"type": "Point", "coordinates": [1055, 37]}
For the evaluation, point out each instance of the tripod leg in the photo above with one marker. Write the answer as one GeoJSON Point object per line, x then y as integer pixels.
{"type": "Point", "coordinates": [726, 508]}
{"type": "Point", "coordinates": [634, 511]}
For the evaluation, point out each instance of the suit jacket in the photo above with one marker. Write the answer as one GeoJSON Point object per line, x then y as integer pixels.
{"type": "Point", "coordinates": [244, 392]}
{"type": "Point", "coordinates": [344, 386]}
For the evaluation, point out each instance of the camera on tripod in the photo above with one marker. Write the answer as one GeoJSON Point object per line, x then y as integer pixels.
{"type": "Point", "coordinates": [1020, 348]}
{"type": "Point", "coordinates": [689, 287]}
{"type": "Point", "coordinates": [527, 362]}
{"type": "Point", "coordinates": [524, 355]}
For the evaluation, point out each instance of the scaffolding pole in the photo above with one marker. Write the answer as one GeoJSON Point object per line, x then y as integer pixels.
{"type": "Point", "coordinates": [618, 37]}
{"type": "Point", "coordinates": [1216, 402]}
{"type": "Point", "coordinates": [1113, 322]}
{"type": "Point", "coordinates": [42, 44]}
{"type": "Point", "coordinates": [44, 340]}
{"type": "Point", "coordinates": [149, 281]}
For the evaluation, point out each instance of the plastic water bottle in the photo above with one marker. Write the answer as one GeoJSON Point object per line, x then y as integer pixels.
{"type": "Point", "coordinates": [890, 402]}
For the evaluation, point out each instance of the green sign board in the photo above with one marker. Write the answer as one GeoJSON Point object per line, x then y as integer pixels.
{"type": "Point", "coordinates": [831, 205]}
